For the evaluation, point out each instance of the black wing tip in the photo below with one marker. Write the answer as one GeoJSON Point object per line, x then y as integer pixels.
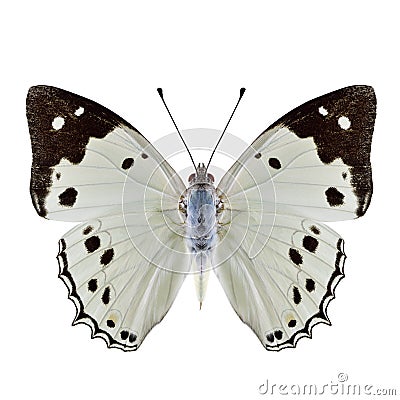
{"type": "Point", "coordinates": [38, 90]}
{"type": "Point", "coordinates": [43, 88]}
{"type": "Point", "coordinates": [47, 94]}
{"type": "Point", "coordinates": [365, 91]}
{"type": "Point", "coordinates": [362, 94]}
{"type": "Point", "coordinates": [355, 91]}
{"type": "Point", "coordinates": [49, 147]}
{"type": "Point", "coordinates": [360, 87]}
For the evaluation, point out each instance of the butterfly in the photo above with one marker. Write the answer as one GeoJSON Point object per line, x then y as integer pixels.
{"type": "Point", "coordinates": [142, 230]}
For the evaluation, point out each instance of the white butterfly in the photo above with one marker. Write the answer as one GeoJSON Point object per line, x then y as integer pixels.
{"type": "Point", "coordinates": [142, 230]}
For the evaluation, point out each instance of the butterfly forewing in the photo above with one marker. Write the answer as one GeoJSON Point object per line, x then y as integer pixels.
{"type": "Point", "coordinates": [316, 157]}
{"type": "Point", "coordinates": [84, 155]}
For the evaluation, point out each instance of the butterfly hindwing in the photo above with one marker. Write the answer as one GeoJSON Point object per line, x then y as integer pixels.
{"type": "Point", "coordinates": [283, 291]}
{"type": "Point", "coordinates": [276, 261]}
{"type": "Point", "coordinates": [120, 293]}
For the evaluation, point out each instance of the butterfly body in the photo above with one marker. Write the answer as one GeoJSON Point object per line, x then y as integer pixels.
{"type": "Point", "coordinates": [201, 209]}
{"type": "Point", "coordinates": [142, 231]}
{"type": "Point", "coordinates": [201, 214]}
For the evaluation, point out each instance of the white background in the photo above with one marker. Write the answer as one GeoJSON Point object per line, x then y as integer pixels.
{"type": "Point", "coordinates": [201, 53]}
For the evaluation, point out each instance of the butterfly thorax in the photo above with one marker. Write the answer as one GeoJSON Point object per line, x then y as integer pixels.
{"type": "Point", "coordinates": [201, 221]}
{"type": "Point", "coordinates": [200, 201]}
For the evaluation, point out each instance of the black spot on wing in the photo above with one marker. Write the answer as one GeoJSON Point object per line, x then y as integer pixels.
{"type": "Point", "coordinates": [49, 146]}
{"type": "Point", "coordinates": [274, 163]}
{"type": "Point", "coordinates": [107, 257]}
{"type": "Point", "coordinates": [278, 334]}
{"type": "Point", "coordinates": [334, 197]}
{"type": "Point", "coordinates": [92, 244]}
{"type": "Point", "coordinates": [87, 230]}
{"type": "Point", "coordinates": [68, 197]}
{"type": "Point", "coordinates": [292, 323]}
{"type": "Point", "coordinates": [92, 285]}
{"type": "Point", "coordinates": [315, 230]}
{"type": "Point", "coordinates": [258, 155]}
{"type": "Point", "coordinates": [270, 337]}
{"type": "Point", "coordinates": [295, 256]}
{"type": "Point", "coordinates": [110, 323]}
{"type": "Point", "coordinates": [127, 163]}
{"type": "Point", "coordinates": [132, 337]}
{"type": "Point", "coordinates": [310, 243]}
{"type": "Point", "coordinates": [124, 334]}
{"type": "Point", "coordinates": [310, 285]}
{"type": "Point", "coordinates": [296, 295]}
{"type": "Point", "coordinates": [352, 145]}
{"type": "Point", "coordinates": [105, 298]}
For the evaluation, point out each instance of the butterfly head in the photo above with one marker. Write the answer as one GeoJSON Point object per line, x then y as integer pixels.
{"type": "Point", "coordinates": [201, 176]}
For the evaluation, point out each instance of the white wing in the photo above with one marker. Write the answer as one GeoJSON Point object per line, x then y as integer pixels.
{"type": "Point", "coordinates": [284, 290]}
{"type": "Point", "coordinates": [125, 265]}
{"type": "Point", "coordinates": [119, 291]}
{"type": "Point", "coordinates": [311, 165]}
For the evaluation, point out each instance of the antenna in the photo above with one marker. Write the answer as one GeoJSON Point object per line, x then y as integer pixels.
{"type": "Point", "coordinates": [242, 90]}
{"type": "Point", "coordinates": [160, 92]}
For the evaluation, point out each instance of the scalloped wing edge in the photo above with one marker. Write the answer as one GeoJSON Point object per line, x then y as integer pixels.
{"type": "Point", "coordinates": [321, 317]}
{"type": "Point", "coordinates": [81, 317]}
